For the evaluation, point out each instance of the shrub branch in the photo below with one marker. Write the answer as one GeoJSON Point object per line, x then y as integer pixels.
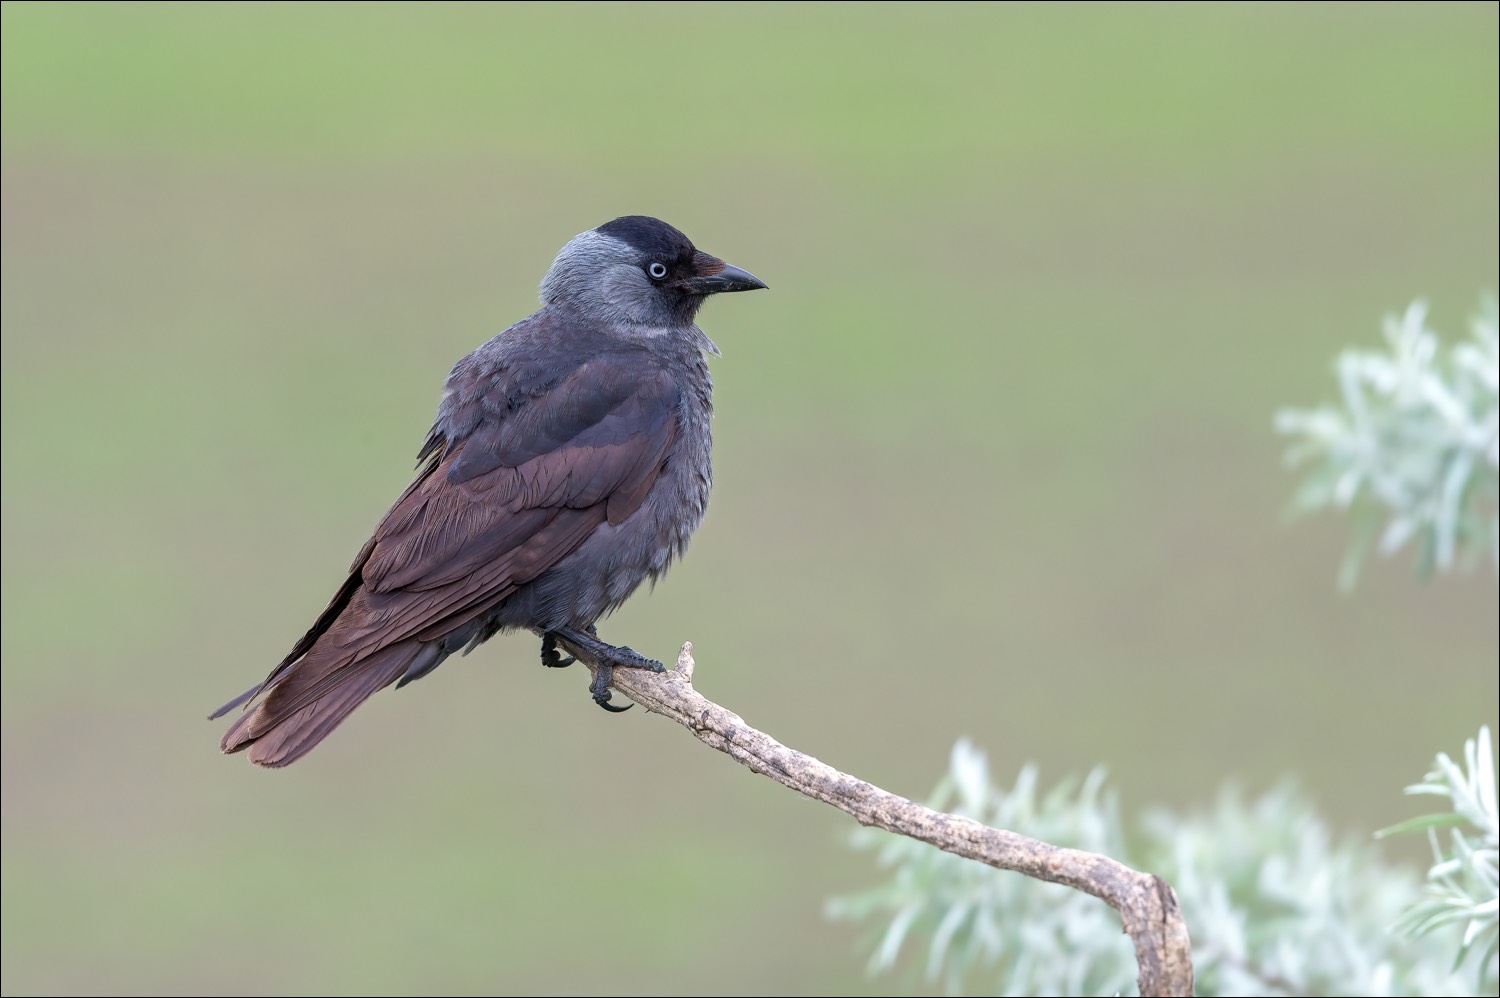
{"type": "Point", "coordinates": [1146, 903]}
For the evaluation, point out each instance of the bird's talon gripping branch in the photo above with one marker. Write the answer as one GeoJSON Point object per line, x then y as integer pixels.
{"type": "Point", "coordinates": [601, 653]}
{"type": "Point", "coordinates": [629, 658]}
{"type": "Point", "coordinates": [603, 676]}
{"type": "Point", "coordinates": [551, 657]}
{"type": "Point", "coordinates": [604, 658]}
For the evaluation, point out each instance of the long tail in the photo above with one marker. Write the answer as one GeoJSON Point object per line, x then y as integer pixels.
{"type": "Point", "coordinates": [305, 702]}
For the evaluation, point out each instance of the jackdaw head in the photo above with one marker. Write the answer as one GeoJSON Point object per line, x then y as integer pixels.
{"type": "Point", "coordinates": [639, 271]}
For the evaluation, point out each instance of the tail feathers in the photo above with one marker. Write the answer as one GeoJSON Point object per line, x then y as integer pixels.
{"type": "Point", "coordinates": [243, 698]}
{"type": "Point", "coordinates": [302, 707]}
{"type": "Point", "coordinates": [430, 657]}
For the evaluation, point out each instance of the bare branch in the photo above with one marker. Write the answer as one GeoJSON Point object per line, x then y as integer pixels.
{"type": "Point", "coordinates": [1146, 903]}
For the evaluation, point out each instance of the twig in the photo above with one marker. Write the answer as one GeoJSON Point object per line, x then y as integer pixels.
{"type": "Point", "coordinates": [1146, 903]}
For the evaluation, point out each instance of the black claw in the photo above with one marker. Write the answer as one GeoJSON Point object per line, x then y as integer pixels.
{"type": "Point", "coordinates": [551, 657]}
{"type": "Point", "coordinates": [603, 675]}
{"type": "Point", "coordinates": [602, 657]}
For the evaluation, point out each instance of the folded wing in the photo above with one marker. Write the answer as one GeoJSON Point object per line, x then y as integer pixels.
{"type": "Point", "coordinates": [519, 472]}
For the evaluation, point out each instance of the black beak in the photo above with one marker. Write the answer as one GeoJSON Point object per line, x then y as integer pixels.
{"type": "Point", "coordinates": [715, 277]}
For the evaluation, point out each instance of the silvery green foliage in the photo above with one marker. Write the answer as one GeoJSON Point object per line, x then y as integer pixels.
{"type": "Point", "coordinates": [1415, 440]}
{"type": "Point", "coordinates": [1463, 887]}
{"type": "Point", "coordinates": [1274, 904]}
{"type": "Point", "coordinates": [968, 917]}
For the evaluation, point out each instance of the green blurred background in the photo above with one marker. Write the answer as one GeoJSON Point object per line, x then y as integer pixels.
{"type": "Point", "coordinates": [994, 454]}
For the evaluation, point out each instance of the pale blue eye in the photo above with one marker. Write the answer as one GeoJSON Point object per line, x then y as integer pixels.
{"type": "Point", "coordinates": [657, 270]}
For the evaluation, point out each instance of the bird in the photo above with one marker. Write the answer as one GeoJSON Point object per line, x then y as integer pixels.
{"type": "Point", "coordinates": [568, 463]}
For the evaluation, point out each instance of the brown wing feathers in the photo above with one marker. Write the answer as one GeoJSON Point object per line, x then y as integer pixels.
{"type": "Point", "coordinates": [484, 516]}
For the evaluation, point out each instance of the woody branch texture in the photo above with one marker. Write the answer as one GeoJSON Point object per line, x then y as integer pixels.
{"type": "Point", "coordinates": [1146, 903]}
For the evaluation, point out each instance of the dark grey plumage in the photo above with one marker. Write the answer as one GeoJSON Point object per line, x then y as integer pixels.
{"type": "Point", "coordinates": [569, 462]}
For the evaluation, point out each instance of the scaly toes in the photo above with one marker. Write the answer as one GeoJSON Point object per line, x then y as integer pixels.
{"type": "Point", "coordinates": [599, 688]}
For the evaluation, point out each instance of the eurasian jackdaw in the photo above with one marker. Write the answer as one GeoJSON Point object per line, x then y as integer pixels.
{"type": "Point", "coordinates": [569, 462]}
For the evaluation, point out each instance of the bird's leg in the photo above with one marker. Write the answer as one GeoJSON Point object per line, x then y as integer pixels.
{"type": "Point", "coordinates": [588, 642]}
{"type": "Point", "coordinates": [551, 657]}
{"type": "Point", "coordinates": [605, 658]}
